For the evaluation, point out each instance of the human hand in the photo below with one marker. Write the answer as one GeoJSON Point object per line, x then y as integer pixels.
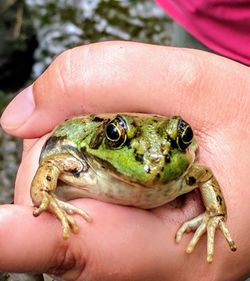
{"type": "Point", "coordinates": [127, 243]}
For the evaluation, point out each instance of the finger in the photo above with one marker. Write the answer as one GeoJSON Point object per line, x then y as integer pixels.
{"type": "Point", "coordinates": [30, 244]}
{"type": "Point", "coordinates": [36, 245]}
{"type": "Point", "coordinates": [125, 76]}
{"type": "Point", "coordinates": [27, 170]}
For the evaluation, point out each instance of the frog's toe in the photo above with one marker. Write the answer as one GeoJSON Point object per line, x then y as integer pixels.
{"type": "Point", "coordinates": [189, 226]}
{"type": "Point", "coordinates": [43, 206]}
{"type": "Point", "coordinates": [201, 224]}
{"type": "Point", "coordinates": [197, 235]}
{"type": "Point", "coordinates": [212, 225]}
{"type": "Point", "coordinates": [44, 201]}
{"type": "Point", "coordinates": [64, 212]}
{"type": "Point", "coordinates": [69, 224]}
{"type": "Point", "coordinates": [71, 210]}
{"type": "Point", "coordinates": [227, 235]}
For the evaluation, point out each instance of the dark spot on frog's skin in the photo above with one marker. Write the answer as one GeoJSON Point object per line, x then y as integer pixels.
{"type": "Point", "coordinates": [139, 157]}
{"type": "Point", "coordinates": [48, 178]}
{"type": "Point", "coordinates": [133, 123]}
{"type": "Point", "coordinates": [129, 145]}
{"type": "Point", "coordinates": [73, 171]}
{"type": "Point", "coordinates": [158, 175]}
{"type": "Point", "coordinates": [138, 133]}
{"type": "Point", "coordinates": [172, 143]}
{"type": "Point", "coordinates": [83, 150]}
{"type": "Point", "coordinates": [167, 158]}
{"type": "Point", "coordinates": [98, 119]}
{"type": "Point", "coordinates": [219, 199]}
{"type": "Point", "coordinates": [190, 180]}
{"type": "Point", "coordinates": [45, 190]}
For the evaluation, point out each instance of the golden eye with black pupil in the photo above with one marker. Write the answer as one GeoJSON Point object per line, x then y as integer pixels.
{"type": "Point", "coordinates": [112, 132]}
{"type": "Point", "coordinates": [116, 132]}
{"type": "Point", "coordinates": [185, 135]}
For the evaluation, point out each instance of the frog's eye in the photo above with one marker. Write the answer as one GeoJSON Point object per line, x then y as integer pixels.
{"type": "Point", "coordinates": [116, 132]}
{"type": "Point", "coordinates": [185, 135]}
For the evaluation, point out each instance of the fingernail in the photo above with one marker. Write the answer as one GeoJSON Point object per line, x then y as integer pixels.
{"type": "Point", "coordinates": [19, 110]}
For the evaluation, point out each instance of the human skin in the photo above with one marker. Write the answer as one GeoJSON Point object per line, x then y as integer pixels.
{"type": "Point", "coordinates": [124, 243]}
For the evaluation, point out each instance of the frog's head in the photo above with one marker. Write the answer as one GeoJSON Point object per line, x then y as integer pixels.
{"type": "Point", "coordinates": [145, 149]}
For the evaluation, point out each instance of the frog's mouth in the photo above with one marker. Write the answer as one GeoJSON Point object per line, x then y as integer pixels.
{"type": "Point", "coordinates": [97, 177]}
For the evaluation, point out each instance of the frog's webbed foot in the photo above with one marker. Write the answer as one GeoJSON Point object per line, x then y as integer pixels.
{"type": "Point", "coordinates": [43, 188]}
{"type": "Point", "coordinates": [215, 215]}
{"type": "Point", "coordinates": [201, 224]}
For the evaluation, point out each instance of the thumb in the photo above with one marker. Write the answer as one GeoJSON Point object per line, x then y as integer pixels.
{"type": "Point", "coordinates": [125, 76]}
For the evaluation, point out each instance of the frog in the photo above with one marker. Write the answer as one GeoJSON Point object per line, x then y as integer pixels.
{"type": "Point", "coordinates": [132, 159]}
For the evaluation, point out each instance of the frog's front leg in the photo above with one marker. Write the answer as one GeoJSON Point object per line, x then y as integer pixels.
{"type": "Point", "coordinates": [43, 190]}
{"type": "Point", "coordinates": [214, 216]}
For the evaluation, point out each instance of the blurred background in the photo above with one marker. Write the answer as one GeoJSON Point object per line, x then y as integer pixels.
{"type": "Point", "coordinates": [33, 32]}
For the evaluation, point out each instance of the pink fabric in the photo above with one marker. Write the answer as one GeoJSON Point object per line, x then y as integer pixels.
{"type": "Point", "coordinates": [221, 25]}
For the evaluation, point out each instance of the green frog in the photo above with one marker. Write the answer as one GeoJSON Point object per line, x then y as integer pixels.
{"type": "Point", "coordinates": [139, 160]}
